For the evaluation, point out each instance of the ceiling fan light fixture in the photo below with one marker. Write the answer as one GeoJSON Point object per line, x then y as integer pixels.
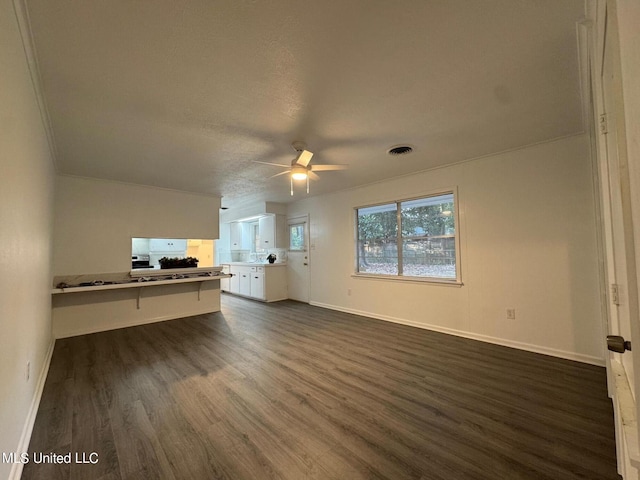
{"type": "Point", "coordinates": [299, 173]}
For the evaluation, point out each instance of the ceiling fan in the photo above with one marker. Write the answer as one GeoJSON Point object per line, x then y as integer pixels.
{"type": "Point", "coordinates": [301, 167]}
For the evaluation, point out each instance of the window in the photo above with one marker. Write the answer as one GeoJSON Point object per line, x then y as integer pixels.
{"type": "Point", "coordinates": [409, 238]}
{"type": "Point", "coordinates": [254, 228]}
{"type": "Point", "coordinates": [296, 236]}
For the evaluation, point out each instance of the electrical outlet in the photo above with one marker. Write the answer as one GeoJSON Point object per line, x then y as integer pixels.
{"type": "Point", "coordinates": [511, 313]}
{"type": "Point", "coordinates": [28, 372]}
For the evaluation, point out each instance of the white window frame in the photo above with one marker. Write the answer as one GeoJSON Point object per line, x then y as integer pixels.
{"type": "Point", "coordinates": [295, 223]}
{"type": "Point", "coordinates": [406, 278]}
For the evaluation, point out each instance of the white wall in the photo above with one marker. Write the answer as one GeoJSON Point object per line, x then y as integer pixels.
{"type": "Point", "coordinates": [528, 241]}
{"type": "Point", "coordinates": [26, 199]}
{"type": "Point", "coordinates": [96, 219]}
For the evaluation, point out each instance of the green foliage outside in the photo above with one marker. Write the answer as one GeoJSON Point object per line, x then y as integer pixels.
{"type": "Point", "coordinates": [427, 233]}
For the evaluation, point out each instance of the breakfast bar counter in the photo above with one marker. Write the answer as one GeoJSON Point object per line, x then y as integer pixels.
{"type": "Point", "coordinates": [91, 303]}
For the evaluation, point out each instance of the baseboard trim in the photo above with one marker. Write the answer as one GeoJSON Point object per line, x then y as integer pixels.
{"type": "Point", "coordinates": [577, 357]}
{"type": "Point", "coordinates": [25, 438]}
{"type": "Point", "coordinates": [116, 326]}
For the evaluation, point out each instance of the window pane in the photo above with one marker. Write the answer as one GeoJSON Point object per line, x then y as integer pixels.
{"type": "Point", "coordinates": [377, 240]}
{"type": "Point", "coordinates": [296, 237]}
{"type": "Point", "coordinates": [431, 257]}
{"type": "Point", "coordinates": [428, 216]}
{"type": "Point", "coordinates": [428, 237]}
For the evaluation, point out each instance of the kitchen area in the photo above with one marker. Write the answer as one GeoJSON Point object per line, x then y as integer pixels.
{"type": "Point", "coordinates": [146, 253]}
{"type": "Point", "coordinates": [254, 251]}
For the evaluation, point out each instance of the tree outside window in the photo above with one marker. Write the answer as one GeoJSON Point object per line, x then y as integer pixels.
{"type": "Point", "coordinates": [296, 236]}
{"type": "Point", "coordinates": [425, 230]}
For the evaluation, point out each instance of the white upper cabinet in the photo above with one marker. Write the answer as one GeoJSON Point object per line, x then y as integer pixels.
{"type": "Point", "coordinates": [168, 245]}
{"type": "Point", "coordinates": [236, 236]}
{"type": "Point", "coordinates": [267, 227]}
{"type": "Point", "coordinates": [269, 230]}
{"type": "Point", "coordinates": [273, 232]}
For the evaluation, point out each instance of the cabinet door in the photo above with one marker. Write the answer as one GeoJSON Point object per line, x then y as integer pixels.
{"type": "Point", "coordinates": [225, 283]}
{"type": "Point", "coordinates": [275, 283]}
{"type": "Point", "coordinates": [236, 236]}
{"type": "Point", "coordinates": [234, 282]}
{"type": "Point", "coordinates": [168, 245]}
{"type": "Point", "coordinates": [245, 282]}
{"type": "Point", "coordinates": [267, 232]}
{"type": "Point", "coordinates": [257, 285]}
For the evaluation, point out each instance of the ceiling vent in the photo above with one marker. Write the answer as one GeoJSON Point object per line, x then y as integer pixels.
{"type": "Point", "coordinates": [400, 150]}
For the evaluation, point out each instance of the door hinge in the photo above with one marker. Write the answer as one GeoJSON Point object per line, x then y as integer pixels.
{"type": "Point", "coordinates": [615, 294]}
{"type": "Point", "coordinates": [603, 127]}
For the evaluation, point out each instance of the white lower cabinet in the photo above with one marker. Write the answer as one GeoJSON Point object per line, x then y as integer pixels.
{"type": "Point", "coordinates": [257, 285]}
{"type": "Point", "coordinates": [262, 283]}
{"type": "Point", "coordinates": [225, 283]}
{"type": "Point", "coordinates": [234, 281]}
{"type": "Point", "coordinates": [245, 283]}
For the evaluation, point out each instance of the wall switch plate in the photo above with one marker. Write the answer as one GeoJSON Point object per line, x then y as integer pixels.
{"type": "Point", "coordinates": [349, 291]}
{"type": "Point", "coordinates": [511, 313]}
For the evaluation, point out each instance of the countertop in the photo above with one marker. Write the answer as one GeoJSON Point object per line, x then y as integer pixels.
{"type": "Point", "coordinates": [111, 281]}
{"type": "Point", "coordinates": [255, 264]}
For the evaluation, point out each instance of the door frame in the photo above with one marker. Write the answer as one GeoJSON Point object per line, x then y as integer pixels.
{"type": "Point", "coordinates": [307, 237]}
{"type": "Point", "coordinates": [626, 404]}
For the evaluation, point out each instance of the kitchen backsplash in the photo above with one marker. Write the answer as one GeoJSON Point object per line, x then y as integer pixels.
{"type": "Point", "coordinates": [247, 256]}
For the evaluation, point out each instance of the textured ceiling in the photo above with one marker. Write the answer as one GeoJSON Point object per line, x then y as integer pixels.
{"type": "Point", "coordinates": [187, 94]}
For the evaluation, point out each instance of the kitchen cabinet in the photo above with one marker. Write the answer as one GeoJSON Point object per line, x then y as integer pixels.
{"type": "Point", "coordinates": [234, 281]}
{"type": "Point", "coordinates": [273, 231]}
{"type": "Point", "coordinates": [236, 236]}
{"type": "Point", "coordinates": [225, 284]}
{"type": "Point", "coordinates": [267, 226]}
{"type": "Point", "coordinates": [261, 282]}
{"type": "Point", "coordinates": [240, 236]}
{"type": "Point", "coordinates": [257, 285]}
{"type": "Point", "coordinates": [245, 282]}
{"type": "Point", "coordinates": [168, 245]}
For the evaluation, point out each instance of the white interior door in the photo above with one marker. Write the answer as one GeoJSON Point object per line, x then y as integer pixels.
{"type": "Point", "coordinates": [619, 244]}
{"type": "Point", "coordinates": [298, 258]}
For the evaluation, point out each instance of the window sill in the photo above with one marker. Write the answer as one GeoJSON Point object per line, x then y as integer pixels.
{"type": "Point", "coordinates": [396, 278]}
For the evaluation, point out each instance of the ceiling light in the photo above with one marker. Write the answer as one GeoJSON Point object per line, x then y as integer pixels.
{"type": "Point", "coordinates": [299, 173]}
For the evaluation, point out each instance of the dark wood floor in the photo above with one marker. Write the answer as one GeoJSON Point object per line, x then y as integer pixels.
{"type": "Point", "coordinates": [291, 391]}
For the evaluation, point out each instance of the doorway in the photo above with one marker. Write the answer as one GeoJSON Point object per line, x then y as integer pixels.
{"type": "Point", "coordinates": [298, 264]}
{"type": "Point", "coordinates": [619, 249]}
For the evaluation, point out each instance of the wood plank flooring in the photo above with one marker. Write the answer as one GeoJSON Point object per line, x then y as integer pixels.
{"type": "Point", "coordinates": [290, 391]}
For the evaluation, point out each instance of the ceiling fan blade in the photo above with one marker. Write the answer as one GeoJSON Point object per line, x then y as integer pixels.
{"type": "Point", "coordinates": [281, 173]}
{"type": "Point", "coordinates": [325, 168]}
{"type": "Point", "coordinates": [312, 175]}
{"type": "Point", "coordinates": [304, 158]}
{"type": "Point", "coordinates": [274, 164]}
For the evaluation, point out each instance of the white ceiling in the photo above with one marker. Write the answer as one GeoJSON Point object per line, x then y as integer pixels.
{"type": "Point", "coordinates": [187, 94]}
